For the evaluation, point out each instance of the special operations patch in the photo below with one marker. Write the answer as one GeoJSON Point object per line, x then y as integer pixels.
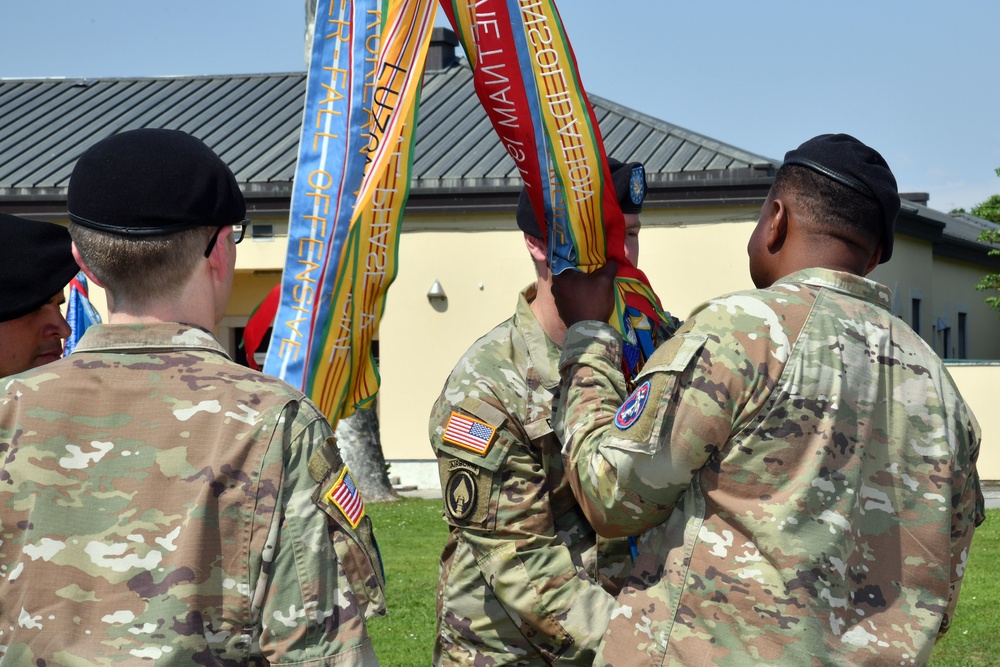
{"type": "Point", "coordinates": [468, 433]}
{"type": "Point", "coordinates": [461, 493]}
{"type": "Point", "coordinates": [633, 406]}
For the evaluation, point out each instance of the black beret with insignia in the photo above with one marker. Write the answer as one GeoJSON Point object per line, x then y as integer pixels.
{"type": "Point", "coordinates": [149, 181]}
{"type": "Point", "coordinates": [36, 263]}
{"type": "Point", "coordinates": [630, 186]}
{"type": "Point", "coordinates": [849, 162]}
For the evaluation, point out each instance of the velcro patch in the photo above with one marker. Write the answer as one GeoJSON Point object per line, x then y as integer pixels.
{"type": "Point", "coordinates": [345, 496]}
{"type": "Point", "coordinates": [468, 433]}
{"type": "Point", "coordinates": [633, 406]}
{"type": "Point", "coordinates": [466, 490]}
{"type": "Point", "coordinates": [461, 494]}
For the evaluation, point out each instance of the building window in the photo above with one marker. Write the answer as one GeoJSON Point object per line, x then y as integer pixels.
{"type": "Point", "coordinates": [915, 315]}
{"type": "Point", "coordinates": [946, 343]}
{"type": "Point", "coordinates": [262, 232]}
{"type": "Point", "coordinates": [963, 349]}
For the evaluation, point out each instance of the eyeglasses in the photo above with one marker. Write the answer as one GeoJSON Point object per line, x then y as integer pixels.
{"type": "Point", "coordinates": [238, 230]}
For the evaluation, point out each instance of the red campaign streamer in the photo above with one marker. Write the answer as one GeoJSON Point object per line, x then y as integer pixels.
{"type": "Point", "coordinates": [508, 94]}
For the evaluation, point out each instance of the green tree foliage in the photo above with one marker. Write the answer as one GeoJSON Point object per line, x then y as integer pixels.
{"type": "Point", "coordinates": [990, 210]}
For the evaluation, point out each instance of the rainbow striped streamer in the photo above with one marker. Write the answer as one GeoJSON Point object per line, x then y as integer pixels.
{"type": "Point", "coordinates": [348, 375]}
{"type": "Point", "coordinates": [526, 77]}
{"type": "Point", "coordinates": [330, 165]}
{"type": "Point", "coordinates": [364, 82]}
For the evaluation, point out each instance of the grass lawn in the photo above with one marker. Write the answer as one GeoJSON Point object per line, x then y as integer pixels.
{"type": "Point", "coordinates": [973, 637]}
{"type": "Point", "coordinates": [411, 534]}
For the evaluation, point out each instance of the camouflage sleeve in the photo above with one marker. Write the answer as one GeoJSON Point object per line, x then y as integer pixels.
{"type": "Point", "coordinates": [320, 580]}
{"type": "Point", "coordinates": [969, 512]}
{"type": "Point", "coordinates": [509, 527]}
{"type": "Point", "coordinates": [630, 458]}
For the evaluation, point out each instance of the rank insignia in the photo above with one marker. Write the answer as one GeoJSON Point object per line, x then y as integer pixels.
{"type": "Point", "coordinates": [637, 185]}
{"type": "Point", "coordinates": [344, 495]}
{"type": "Point", "coordinates": [633, 406]}
{"type": "Point", "coordinates": [468, 433]}
{"type": "Point", "coordinates": [461, 493]}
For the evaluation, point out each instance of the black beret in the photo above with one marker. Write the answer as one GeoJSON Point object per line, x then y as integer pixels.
{"type": "Point", "coordinates": [849, 162]}
{"type": "Point", "coordinates": [36, 263]}
{"type": "Point", "coordinates": [149, 181]}
{"type": "Point", "coordinates": [630, 185]}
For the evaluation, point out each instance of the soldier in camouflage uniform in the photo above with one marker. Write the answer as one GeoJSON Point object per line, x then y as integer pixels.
{"type": "Point", "coordinates": [524, 580]}
{"type": "Point", "coordinates": [36, 263]}
{"type": "Point", "coordinates": [801, 462]}
{"type": "Point", "coordinates": [160, 504]}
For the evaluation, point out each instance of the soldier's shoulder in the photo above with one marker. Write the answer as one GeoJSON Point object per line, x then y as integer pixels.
{"type": "Point", "coordinates": [748, 308]}
{"type": "Point", "coordinates": [491, 357]}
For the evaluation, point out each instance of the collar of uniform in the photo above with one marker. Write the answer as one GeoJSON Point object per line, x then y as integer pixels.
{"type": "Point", "coordinates": [145, 337]}
{"type": "Point", "coordinates": [849, 283]}
{"type": "Point", "coordinates": [542, 351]}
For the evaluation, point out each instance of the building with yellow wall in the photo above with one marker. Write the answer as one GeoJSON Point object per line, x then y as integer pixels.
{"type": "Point", "coordinates": [459, 232]}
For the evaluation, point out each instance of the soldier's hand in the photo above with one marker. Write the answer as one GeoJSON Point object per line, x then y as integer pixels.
{"type": "Point", "coordinates": [585, 296]}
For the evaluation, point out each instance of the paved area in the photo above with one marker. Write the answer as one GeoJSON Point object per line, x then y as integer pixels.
{"type": "Point", "coordinates": [421, 493]}
{"type": "Point", "coordinates": [991, 492]}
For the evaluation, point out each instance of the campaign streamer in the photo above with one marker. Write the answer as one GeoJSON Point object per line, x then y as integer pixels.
{"type": "Point", "coordinates": [330, 166]}
{"type": "Point", "coordinates": [525, 75]}
{"type": "Point", "coordinates": [390, 43]}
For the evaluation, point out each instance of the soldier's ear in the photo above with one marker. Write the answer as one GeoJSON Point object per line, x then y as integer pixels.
{"type": "Point", "coordinates": [83, 267]}
{"type": "Point", "coordinates": [537, 248]}
{"type": "Point", "coordinates": [777, 226]}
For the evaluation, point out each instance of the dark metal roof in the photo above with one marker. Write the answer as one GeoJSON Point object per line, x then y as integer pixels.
{"type": "Point", "coordinates": [253, 123]}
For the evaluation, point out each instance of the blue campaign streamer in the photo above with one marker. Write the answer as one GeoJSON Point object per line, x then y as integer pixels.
{"type": "Point", "coordinates": [367, 31]}
{"type": "Point", "coordinates": [80, 313]}
{"type": "Point", "coordinates": [328, 172]}
{"type": "Point", "coordinates": [562, 254]}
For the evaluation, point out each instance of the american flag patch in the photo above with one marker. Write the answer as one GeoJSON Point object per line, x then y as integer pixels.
{"type": "Point", "coordinates": [468, 433]}
{"type": "Point", "coordinates": [346, 497]}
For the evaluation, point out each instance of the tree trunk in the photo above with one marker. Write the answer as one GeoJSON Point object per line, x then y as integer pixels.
{"type": "Point", "coordinates": [361, 449]}
{"type": "Point", "coordinates": [310, 28]}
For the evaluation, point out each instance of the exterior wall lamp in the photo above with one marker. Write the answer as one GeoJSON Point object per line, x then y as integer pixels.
{"type": "Point", "coordinates": [436, 293]}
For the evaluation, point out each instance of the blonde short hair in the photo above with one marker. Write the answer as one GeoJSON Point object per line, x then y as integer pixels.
{"type": "Point", "coordinates": [139, 270]}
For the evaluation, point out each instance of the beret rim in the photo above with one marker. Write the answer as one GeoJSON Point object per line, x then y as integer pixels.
{"type": "Point", "coordinates": [64, 276]}
{"type": "Point", "coordinates": [843, 179]}
{"type": "Point", "coordinates": [134, 231]}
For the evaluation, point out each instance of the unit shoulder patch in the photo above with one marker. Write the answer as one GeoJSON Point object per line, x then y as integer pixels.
{"type": "Point", "coordinates": [461, 495]}
{"type": "Point", "coordinates": [633, 406]}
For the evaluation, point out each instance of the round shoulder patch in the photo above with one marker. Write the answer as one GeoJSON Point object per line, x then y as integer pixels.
{"type": "Point", "coordinates": [633, 406]}
{"type": "Point", "coordinates": [460, 494]}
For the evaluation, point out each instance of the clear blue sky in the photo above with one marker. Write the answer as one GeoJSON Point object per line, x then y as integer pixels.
{"type": "Point", "coordinates": [915, 79]}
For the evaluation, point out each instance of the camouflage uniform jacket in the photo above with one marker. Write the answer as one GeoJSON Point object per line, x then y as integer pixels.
{"type": "Point", "coordinates": [804, 467]}
{"type": "Point", "coordinates": [162, 505]}
{"type": "Point", "coordinates": [523, 581]}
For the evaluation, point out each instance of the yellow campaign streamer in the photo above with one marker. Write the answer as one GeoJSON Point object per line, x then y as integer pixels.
{"type": "Point", "coordinates": [375, 267]}
{"type": "Point", "coordinates": [400, 67]}
{"type": "Point", "coordinates": [576, 159]}
{"type": "Point", "coordinates": [348, 377]}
